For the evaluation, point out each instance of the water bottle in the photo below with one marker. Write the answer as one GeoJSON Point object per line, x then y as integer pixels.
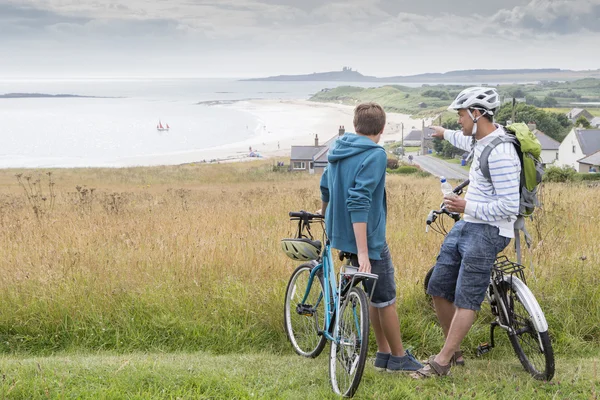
{"type": "Point", "coordinates": [446, 188]}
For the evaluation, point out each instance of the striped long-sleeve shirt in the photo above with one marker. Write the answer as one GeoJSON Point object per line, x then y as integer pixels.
{"type": "Point", "coordinates": [495, 203]}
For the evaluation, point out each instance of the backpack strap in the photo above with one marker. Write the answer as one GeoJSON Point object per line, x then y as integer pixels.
{"type": "Point", "coordinates": [472, 152]}
{"type": "Point", "coordinates": [520, 227]}
{"type": "Point", "coordinates": [484, 165]}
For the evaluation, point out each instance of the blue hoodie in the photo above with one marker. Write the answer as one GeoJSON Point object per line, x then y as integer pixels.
{"type": "Point", "coordinates": [354, 186]}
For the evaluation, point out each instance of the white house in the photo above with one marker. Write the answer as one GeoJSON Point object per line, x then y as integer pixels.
{"type": "Point", "coordinates": [549, 147]}
{"type": "Point", "coordinates": [595, 122]}
{"type": "Point", "coordinates": [576, 149]}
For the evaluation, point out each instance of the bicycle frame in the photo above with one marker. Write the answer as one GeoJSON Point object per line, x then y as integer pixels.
{"type": "Point", "coordinates": [333, 290]}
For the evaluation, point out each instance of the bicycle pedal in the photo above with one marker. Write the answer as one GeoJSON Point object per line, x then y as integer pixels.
{"type": "Point", "coordinates": [483, 348]}
{"type": "Point", "coordinates": [305, 310]}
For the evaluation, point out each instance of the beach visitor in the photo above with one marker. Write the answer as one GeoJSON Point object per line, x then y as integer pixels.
{"type": "Point", "coordinates": [462, 271]}
{"type": "Point", "coordinates": [354, 205]}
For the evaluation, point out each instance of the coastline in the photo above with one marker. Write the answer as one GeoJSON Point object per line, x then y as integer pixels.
{"type": "Point", "coordinates": [285, 123]}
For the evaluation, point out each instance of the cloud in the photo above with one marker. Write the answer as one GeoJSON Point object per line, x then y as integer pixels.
{"type": "Point", "coordinates": [293, 36]}
{"type": "Point", "coordinates": [553, 17]}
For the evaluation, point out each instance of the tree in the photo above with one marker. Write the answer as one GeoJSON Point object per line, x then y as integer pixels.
{"type": "Point", "coordinates": [532, 100]}
{"type": "Point", "coordinates": [582, 121]}
{"type": "Point", "coordinates": [552, 124]}
{"type": "Point", "coordinates": [438, 145]}
{"type": "Point", "coordinates": [549, 102]}
{"type": "Point", "coordinates": [444, 147]}
{"type": "Point", "coordinates": [518, 93]}
{"type": "Point", "coordinates": [450, 151]}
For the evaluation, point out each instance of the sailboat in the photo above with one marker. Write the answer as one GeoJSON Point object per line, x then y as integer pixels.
{"type": "Point", "coordinates": [162, 128]}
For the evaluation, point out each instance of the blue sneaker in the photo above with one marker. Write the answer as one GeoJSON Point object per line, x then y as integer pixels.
{"type": "Point", "coordinates": [381, 361]}
{"type": "Point", "coordinates": [408, 363]}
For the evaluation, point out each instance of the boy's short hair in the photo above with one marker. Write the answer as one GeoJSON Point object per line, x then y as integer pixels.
{"type": "Point", "coordinates": [369, 119]}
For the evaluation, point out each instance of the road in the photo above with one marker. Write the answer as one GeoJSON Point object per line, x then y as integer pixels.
{"type": "Point", "coordinates": [439, 167]}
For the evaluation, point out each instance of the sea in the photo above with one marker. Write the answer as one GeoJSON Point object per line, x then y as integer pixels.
{"type": "Point", "coordinates": [117, 125]}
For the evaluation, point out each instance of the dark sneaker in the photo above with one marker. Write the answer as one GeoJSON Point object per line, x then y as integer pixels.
{"type": "Point", "coordinates": [381, 361]}
{"type": "Point", "coordinates": [408, 363]}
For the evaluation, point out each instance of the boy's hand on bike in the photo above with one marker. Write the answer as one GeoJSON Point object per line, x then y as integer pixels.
{"type": "Point", "coordinates": [364, 263]}
{"type": "Point", "coordinates": [455, 204]}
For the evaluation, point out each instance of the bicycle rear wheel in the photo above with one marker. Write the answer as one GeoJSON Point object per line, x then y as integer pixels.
{"type": "Point", "coordinates": [530, 339]}
{"type": "Point", "coordinates": [304, 320]}
{"type": "Point", "coordinates": [350, 347]}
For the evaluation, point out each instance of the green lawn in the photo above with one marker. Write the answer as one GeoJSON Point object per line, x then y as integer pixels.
{"type": "Point", "coordinates": [451, 160]}
{"type": "Point", "coordinates": [269, 376]}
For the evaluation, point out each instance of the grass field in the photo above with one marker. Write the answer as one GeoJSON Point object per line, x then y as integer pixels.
{"type": "Point", "coordinates": [165, 262]}
{"type": "Point", "coordinates": [269, 376]}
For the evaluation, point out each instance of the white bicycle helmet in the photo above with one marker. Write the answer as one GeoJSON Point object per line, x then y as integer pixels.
{"type": "Point", "coordinates": [301, 249]}
{"type": "Point", "coordinates": [477, 97]}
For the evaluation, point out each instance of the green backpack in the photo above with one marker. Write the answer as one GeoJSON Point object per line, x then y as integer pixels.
{"type": "Point", "coordinates": [529, 149]}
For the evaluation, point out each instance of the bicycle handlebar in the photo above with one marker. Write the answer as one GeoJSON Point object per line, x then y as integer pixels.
{"type": "Point", "coordinates": [305, 215]}
{"type": "Point", "coordinates": [433, 214]}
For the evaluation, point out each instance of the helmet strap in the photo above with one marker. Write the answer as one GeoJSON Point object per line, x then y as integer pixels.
{"type": "Point", "coordinates": [475, 119]}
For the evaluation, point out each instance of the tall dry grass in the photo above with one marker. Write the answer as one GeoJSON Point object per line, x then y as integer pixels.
{"type": "Point", "coordinates": [188, 258]}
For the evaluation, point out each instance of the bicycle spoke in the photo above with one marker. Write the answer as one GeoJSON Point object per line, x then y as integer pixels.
{"type": "Point", "coordinates": [533, 348]}
{"type": "Point", "coordinates": [349, 349]}
{"type": "Point", "coordinates": [304, 312]}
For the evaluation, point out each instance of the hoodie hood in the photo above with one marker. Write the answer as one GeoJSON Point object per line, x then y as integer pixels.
{"type": "Point", "coordinates": [349, 145]}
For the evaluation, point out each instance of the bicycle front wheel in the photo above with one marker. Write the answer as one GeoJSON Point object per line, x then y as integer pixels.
{"type": "Point", "coordinates": [304, 320]}
{"type": "Point", "coordinates": [530, 338]}
{"type": "Point", "coordinates": [349, 349]}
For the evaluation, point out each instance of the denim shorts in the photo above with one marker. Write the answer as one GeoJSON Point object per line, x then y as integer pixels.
{"type": "Point", "coordinates": [462, 271]}
{"type": "Point", "coordinates": [385, 289]}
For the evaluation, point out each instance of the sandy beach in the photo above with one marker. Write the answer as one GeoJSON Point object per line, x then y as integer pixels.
{"type": "Point", "coordinates": [285, 123]}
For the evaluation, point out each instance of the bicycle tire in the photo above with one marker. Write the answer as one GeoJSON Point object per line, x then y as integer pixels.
{"type": "Point", "coordinates": [531, 344]}
{"type": "Point", "coordinates": [350, 347]}
{"type": "Point", "coordinates": [303, 330]}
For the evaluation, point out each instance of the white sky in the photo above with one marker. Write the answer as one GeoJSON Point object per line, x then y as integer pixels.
{"type": "Point", "coordinates": [248, 38]}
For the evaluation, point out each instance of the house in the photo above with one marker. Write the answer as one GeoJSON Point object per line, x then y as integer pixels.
{"type": "Point", "coordinates": [413, 138]}
{"type": "Point", "coordinates": [549, 146]}
{"type": "Point", "coordinates": [302, 157]}
{"type": "Point", "coordinates": [592, 161]}
{"type": "Point", "coordinates": [579, 149]}
{"type": "Point", "coordinates": [312, 158]}
{"type": "Point", "coordinates": [575, 113]}
{"type": "Point", "coordinates": [595, 122]}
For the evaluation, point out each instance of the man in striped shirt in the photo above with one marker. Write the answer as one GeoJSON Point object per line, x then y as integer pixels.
{"type": "Point", "coordinates": [462, 271]}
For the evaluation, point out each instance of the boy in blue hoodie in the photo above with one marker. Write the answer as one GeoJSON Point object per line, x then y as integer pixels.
{"type": "Point", "coordinates": [354, 204]}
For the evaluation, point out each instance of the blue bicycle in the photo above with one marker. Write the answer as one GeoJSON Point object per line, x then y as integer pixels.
{"type": "Point", "coordinates": [320, 308]}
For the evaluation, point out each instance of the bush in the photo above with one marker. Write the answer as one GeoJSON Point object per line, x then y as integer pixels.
{"type": "Point", "coordinates": [588, 177]}
{"type": "Point", "coordinates": [392, 163]}
{"type": "Point", "coordinates": [559, 174]}
{"type": "Point", "coordinates": [405, 169]}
